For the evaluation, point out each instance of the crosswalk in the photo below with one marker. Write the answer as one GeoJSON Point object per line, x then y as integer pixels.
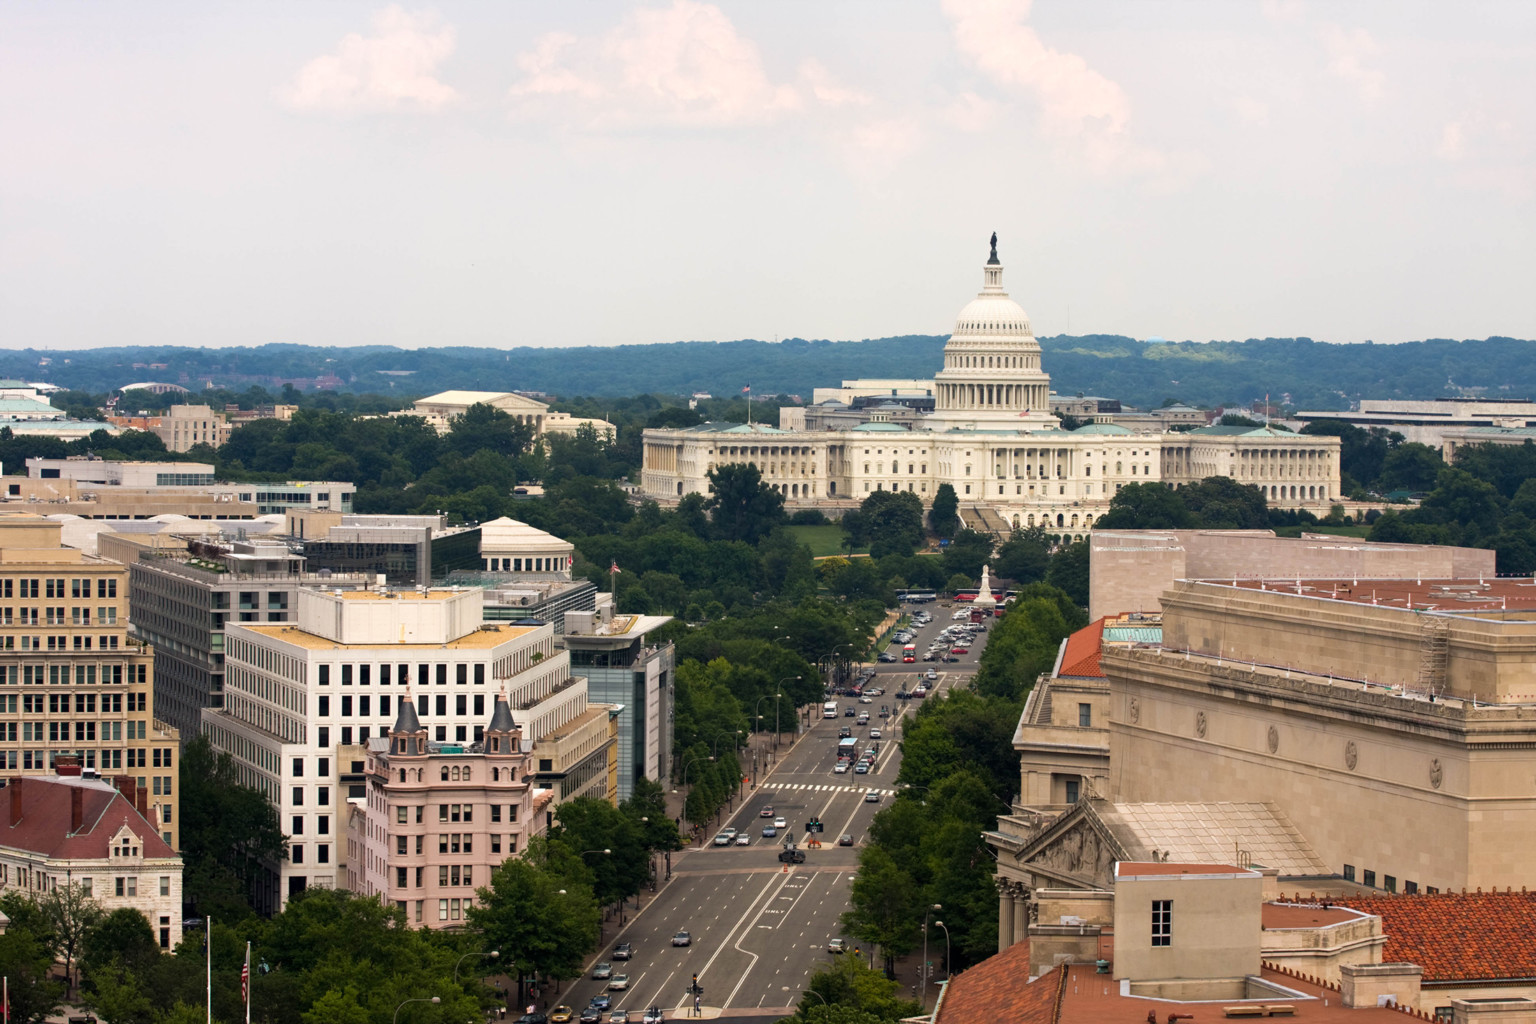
{"type": "Point", "coordinates": [823, 787]}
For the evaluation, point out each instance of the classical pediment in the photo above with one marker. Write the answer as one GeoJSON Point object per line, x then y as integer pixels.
{"type": "Point", "coordinates": [1077, 851]}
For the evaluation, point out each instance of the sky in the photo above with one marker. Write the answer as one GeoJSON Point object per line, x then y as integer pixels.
{"type": "Point", "coordinates": [556, 174]}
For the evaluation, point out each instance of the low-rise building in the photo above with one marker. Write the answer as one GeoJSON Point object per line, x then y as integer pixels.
{"type": "Point", "coordinates": [183, 427]}
{"type": "Point", "coordinates": [1430, 421]}
{"type": "Point", "coordinates": [408, 551]}
{"type": "Point", "coordinates": [98, 834]}
{"type": "Point", "coordinates": [114, 486]}
{"type": "Point", "coordinates": [437, 818]}
{"type": "Point", "coordinates": [295, 693]}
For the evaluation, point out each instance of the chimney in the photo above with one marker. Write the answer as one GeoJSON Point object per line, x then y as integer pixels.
{"type": "Point", "coordinates": [125, 785]}
{"type": "Point", "coordinates": [141, 802]}
{"type": "Point", "coordinates": [76, 808]}
{"type": "Point", "coordinates": [14, 785]}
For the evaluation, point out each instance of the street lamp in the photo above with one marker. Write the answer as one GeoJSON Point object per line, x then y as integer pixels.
{"type": "Point", "coordinates": [757, 712]}
{"type": "Point", "coordinates": [940, 924]}
{"type": "Point", "coordinates": [423, 999]}
{"type": "Point", "coordinates": [715, 744]}
{"type": "Point", "coordinates": [926, 972]}
{"type": "Point", "coordinates": [832, 658]}
{"type": "Point", "coordinates": [492, 955]}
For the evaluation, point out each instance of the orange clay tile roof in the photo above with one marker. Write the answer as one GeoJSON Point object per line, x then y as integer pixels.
{"type": "Point", "coordinates": [1077, 994]}
{"type": "Point", "coordinates": [995, 989]}
{"type": "Point", "coordinates": [1081, 657]}
{"type": "Point", "coordinates": [1457, 937]}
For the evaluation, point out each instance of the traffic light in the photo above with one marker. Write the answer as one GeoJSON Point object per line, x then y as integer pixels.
{"type": "Point", "coordinates": [813, 825]}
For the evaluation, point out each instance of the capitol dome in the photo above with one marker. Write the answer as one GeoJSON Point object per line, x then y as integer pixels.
{"type": "Point", "coordinates": [988, 315]}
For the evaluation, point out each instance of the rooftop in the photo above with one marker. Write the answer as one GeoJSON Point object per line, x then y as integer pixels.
{"type": "Point", "coordinates": [43, 825]}
{"type": "Point", "coordinates": [1147, 869]}
{"type": "Point", "coordinates": [1281, 916]}
{"type": "Point", "coordinates": [1452, 596]}
{"type": "Point", "coordinates": [1457, 937]}
{"type": "Point", "coordinates": [487, 637]}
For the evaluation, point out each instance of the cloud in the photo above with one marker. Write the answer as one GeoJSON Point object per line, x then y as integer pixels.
{"type": "Point", "coordinates": [1079, 107]}
{"type": "Point", "coordinates": [684, 64]}
{"type": "Point", "coordinates": [1347, 53]}
{"type": "Point", "coordinates": [395, 68]}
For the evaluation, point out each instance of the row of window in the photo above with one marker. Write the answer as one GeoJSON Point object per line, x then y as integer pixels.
{"type": "Point", "coordinates": [80, 675]}
{"type": "Point", "coordinates": [39, 760]}
{"type": "Point", "coordinates": [79, 589]}
{"type": "Point", "coordinates": [58, 615]}
{"type": "Point", "coordinates": [1388, 882]}
{"type": "Point", "coordinates": [425, 674]}
{"type": "Point", "coordinates": [322, 823]}
{"type": "Point", "coordinates": [106, 642]}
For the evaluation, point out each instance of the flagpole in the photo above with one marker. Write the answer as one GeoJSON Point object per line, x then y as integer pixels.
{"type": "Point", "coordinates": [245, 982]}
{"type": "Point", "coordinates": [208, 945]}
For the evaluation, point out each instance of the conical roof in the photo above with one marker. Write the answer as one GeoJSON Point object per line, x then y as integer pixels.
{"type": "Point", "coordinates": [406, 720]}
{"type": "Point", "coordinates": [501, 716]}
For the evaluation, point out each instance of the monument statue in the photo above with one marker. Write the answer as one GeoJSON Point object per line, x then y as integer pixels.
{"type": "Point", "coordinates": [994, 247]}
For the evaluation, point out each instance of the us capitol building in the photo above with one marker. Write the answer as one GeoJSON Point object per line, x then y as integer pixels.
{"type": "Point", "coordinates": [991, 436]}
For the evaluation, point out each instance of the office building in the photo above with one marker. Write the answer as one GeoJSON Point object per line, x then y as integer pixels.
{"type": "Point", "coordinates": [74, 686]}
{"type": "Point", "coordinates": [334, 676]}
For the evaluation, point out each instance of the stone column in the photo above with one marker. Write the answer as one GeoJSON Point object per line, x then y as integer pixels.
{"type": "Point", "coordinates": [1021, 913]}
{"type": "Point", "coordinates": [1004, 914]}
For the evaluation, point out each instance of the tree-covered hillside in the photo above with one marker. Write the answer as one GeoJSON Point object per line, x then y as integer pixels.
{"type": "Point", "coordinates": [1315, 374]}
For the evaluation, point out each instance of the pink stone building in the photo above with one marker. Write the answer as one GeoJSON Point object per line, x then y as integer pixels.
{"type": "Point", "coordinates": [437, 818]}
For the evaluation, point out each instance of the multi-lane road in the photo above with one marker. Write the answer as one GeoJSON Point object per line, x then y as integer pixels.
{"type": "Point", "coordinates": [759, 928]}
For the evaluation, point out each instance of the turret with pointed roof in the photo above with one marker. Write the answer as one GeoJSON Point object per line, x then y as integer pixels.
{"type": "Point", "coordinates": [503, 735]}
{"type": "Point", "coordinates": [408, 737]}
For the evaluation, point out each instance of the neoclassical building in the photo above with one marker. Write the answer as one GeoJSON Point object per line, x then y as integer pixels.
{"type": "Point", "coordinates": [992, 437]}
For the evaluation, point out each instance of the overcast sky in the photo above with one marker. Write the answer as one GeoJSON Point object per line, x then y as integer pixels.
{"type": "Point", "coordinates": [500, 173]}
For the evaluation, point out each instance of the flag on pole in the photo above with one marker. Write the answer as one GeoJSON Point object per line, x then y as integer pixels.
{"type": "Point", "coordinates": [746, 389]}
{"type": "Point", "coordinates": [613, 566]}
{"type": "Point", "coordinates": [245, 981]}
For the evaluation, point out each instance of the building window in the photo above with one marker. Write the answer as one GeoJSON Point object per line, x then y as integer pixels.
{"type": "Point", "coordinates": [1162, 922]}
{"type": "Point", "coordinates": [296, 853]}
{"type": "Point", "coordinates": [1389, 883]}
{"type": "Point", "coordinates": [400, 814]}
{"type": "Point", "coordinates": [1369, 878]}
{"type": "Point", "coordinates": [1085, 716]}
{"type": "Point", "coordinates": [1410, 887]}
{"type": "Point", "coordinates": [400, 878]}
{"type": "Point", "coordinates": [1074, 788]}
{"type": "Point", "coordinates": [1349, 872]}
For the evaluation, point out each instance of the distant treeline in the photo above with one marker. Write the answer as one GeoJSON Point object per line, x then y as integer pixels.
{"type": "Point", "coordinates": [1315, 375]}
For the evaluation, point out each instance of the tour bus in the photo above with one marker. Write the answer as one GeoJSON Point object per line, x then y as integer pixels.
{"type": "Point", "coordinates": [909, 653]}
{"type": "Point", "coordinates": [829, 709]}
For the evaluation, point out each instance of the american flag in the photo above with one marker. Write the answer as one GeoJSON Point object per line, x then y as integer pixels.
{"type": "Point", "coordinates": [746, 389]}
{"type": "Point", "coordinates": [614, 567]}
{"type": "Point", "coordinates": [245, 977]}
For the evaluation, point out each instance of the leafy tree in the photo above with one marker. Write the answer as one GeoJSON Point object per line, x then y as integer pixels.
{"type": "Point", "coordinates": [884, 902]}
{"type": "Point", "coordinates": [1025, 556]}
{"type": "Point", "coordinates": [483, 427]}
{"type": "Point", "coordinates": [1221, 503]}
{"type": "Point", "coordinates": [590, 824]}
{"type": "Point", "coordinates": [967, 552]}
{"type": "Point", "coordinates": [123, 937]}
{"type": "Point", "coordinates": [228, 830]}
{"type": "Point", "coordinates": [71, 913]}
{"type": "Point", "coordinates": [944, 514]}
{"type": "Point", "coordinates": [848, 992]}
{"type": "Point", "coordinates": [26, 958]}
{"type": "Point", "coordinates": [1149, 506]}
{"type": "Point", "coordinates": [1410, 467]}
{"type": "Point", "coordinates": [1069, 571]}
{"type": "Point", "coordinates": [741, 506]}
{"type": "Point", "coordinates": [888, 522]}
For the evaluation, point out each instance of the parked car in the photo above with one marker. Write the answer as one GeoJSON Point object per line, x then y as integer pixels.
{"type": "Point", "coordinates": [623, 951]}
{"type": "Point", "coordinates": [886, 656]}
{"type": "Point", "coordinates": [682, 939]}
{"type": "Point", "coordinates": [602, 972]}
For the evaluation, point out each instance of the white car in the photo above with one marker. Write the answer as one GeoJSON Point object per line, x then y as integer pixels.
{"type": "Point", "coordinates": [780, 823]}
{"type": "Point", "coordinates": [841, 768]}
{"type": "Point", "coordinates": [618, 983]}
{"type": "Point", "coordinates": [874, 734]}
{"type": "Point", "coordinates": [743, 840]}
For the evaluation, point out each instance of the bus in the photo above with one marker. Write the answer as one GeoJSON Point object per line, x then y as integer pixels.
{"type": "Point", "coordinates": [909, 653]}
{"type": "Point", "coordinates": [829, 709]}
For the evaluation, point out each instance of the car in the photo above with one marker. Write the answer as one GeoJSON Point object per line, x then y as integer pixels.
{"type": "Point", "coordinates": [602, 1001]}
{"type": "Point", "coordinates": [618, 1017]}
{"type": "Point", "coordinates": [863, 719]}
{"type": "Point", "coordinates": [769, 831]}
{"type": "Point", "coordinates": [618, 983]}
{"type": "Point", "coordinates": [723, 840]}
{"type": "Point", "coordinates": [919, 690]}
{"type": "Point", "coordinates": [682, 939]}
{"type": "Point", "coordinates": [874, 734]}
{"type": "Point", "coordinates": [848, 711]}
{"type": "Point", "coordinates": [790, 855]}
{"type": "Point", "coordinates": [903, 695]}
{"type": "Point", "coordinates": [623, 951]}
{"type": "Point", "coordinates": [780, 823]}
{"type": "Point", "coordinates": [843, 733]}
{"type": "Point", "coordinates": [886, 656]}
{"type": "Point", "coordinates": [931, 675]}
{"type": "Point", "coordinates": [861, 769]}
{"type": "Point", "coordinates": [841, 768]}
{"type": "Point", "coordinates": [602, 971]}
{"type": "Point", "coordinates": [866, 700]}
{"type": "Point", "coordinates": [874, 691]}
{"type": "Point", "coordinates": [931, 656]}
{"type": "Point", "coordinates": [960, 649]}
{"type": "Point", "coordinates": [837, 946]}
{"type": "Point", "coordinates": [743, 840]}
{"type": "Point", "coordinates": [766, 812]}
{"type": "Point", "coordinates": [562, 1015]}
{"type": "Point", "coordinates": [846, 839]}
{"type": "Point", "coordinates": [654, 1015]}
{"type": "Point", "coordinates": [533, 1018]}
{"type": "Point", "coordinates": [591, 1015]}
{"type": "Point", "coordinates": [872, 796]}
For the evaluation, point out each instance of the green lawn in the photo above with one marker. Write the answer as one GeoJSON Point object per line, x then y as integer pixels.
{"type": "Point", "coordinates": [822, 540]}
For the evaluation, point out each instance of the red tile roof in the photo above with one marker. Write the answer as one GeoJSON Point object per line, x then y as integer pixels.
{"type": "Point", "coordinates": [1081, 657]}
{"type": "Point", "coordinates": [1457, 937]}
{"type": "Point", "coordinates": [995, 989]}
{"type": "Point", "coordinates": [44, 823]}
{"type": "Point", "coordinates": [1078, 994]}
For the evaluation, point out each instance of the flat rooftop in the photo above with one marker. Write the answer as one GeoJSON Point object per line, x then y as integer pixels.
{"type": "Point", "coordinates": [1452, 596]}
{"type": "Point", "coordinates": [487, 637]}
{"type": "Point", "coordinates": [1279, 916]}
{"type": "Point", "coordinates": [439, 594]}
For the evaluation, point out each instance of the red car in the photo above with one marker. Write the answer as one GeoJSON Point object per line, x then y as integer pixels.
{"type": "Point", "coordinates": [959, 650]}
